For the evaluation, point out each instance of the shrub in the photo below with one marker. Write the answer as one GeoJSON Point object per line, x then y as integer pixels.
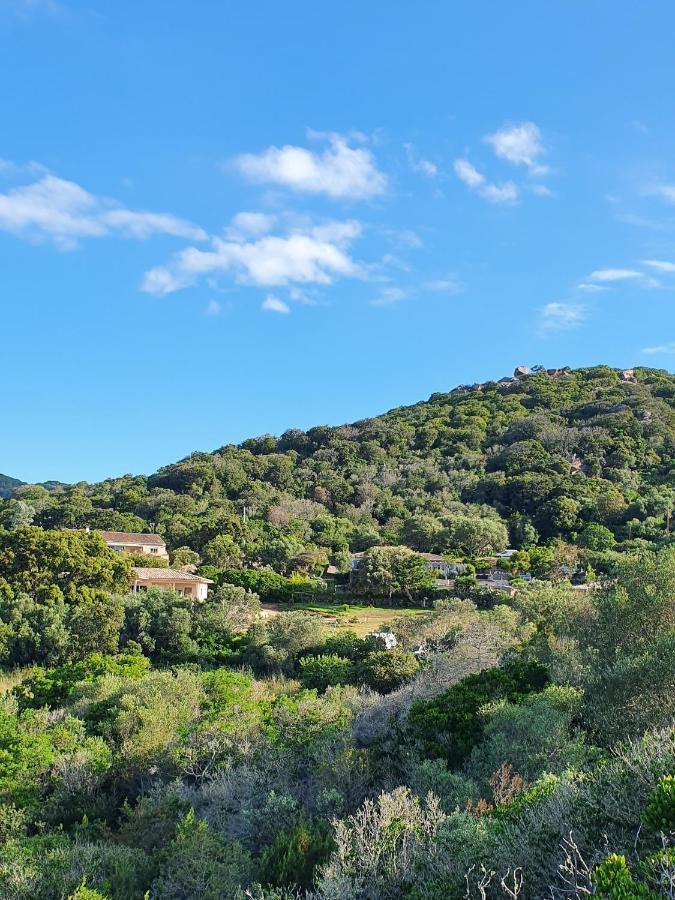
{"type": "Point", "coordinates": [325, 671]}
{"type": "Point", "coordinates": [293, 858]}
{"type": "Point", "coordinates": [52, 687]}
{"type": "Point", "coordinates": [448, 726]}
{"type": "Point", "coordinates": [659, 811]}
{"type": "Point", "coordinates": [386, 670]}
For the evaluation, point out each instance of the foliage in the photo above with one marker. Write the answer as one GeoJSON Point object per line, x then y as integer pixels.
{"type": "Point", "coordinates": [449, 726]}
{"type": "Point", "coordinates": [386, 670]}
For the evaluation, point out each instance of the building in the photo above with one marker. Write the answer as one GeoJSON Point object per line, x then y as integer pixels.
{"type": "Point", "coordinates": [142, 544]}
{"type": "Point", "coordinates": [185, 583]}
{"type": "Point", "coordinates": [436, 563]}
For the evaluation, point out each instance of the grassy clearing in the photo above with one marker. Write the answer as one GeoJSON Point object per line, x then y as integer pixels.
{"type": "Point", "coordinates": [342, 617]}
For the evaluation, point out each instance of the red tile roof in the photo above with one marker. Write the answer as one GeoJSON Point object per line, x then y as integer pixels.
{"type": "Point", "coordinates": [127, 537]}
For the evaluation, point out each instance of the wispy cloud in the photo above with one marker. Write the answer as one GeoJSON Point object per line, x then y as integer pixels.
{"type": "Point", "coordinates": [250, 224]}
{"type": "Point", "coordinates": [660, 348]}
{"type": "Point", "coordinates": [520, 144]}
{"type": "Point", "coordinates": [592, 288]}
{"type": "Point", "coordinates": [665, 191]}
{"type": "Point", "coordinates": [339, 170]}
{"type": "Point", "coordinates": [660, 265]}
{"type": "Point", "coordinates": [274, 304]}
{"type": "Point", "coordinates": [419, 164]}
{"type": "Point", "coordinates": [213, 308]}
{"type": "Point", "coordinates": [449, 285]}
{"type": "Point", "coordinates": [315, 254]}
{"type": "Point", "coordinates": [468, 173]}
{"type": "Point", "coordinates": [500, 193]}
{"type": "Point", "coordinates": [561, 316]}
{"type": "Point", "coordinates": [54, 209]}
{"type": "Point", "coordinates": [25, 9]}
{"type": "Point", "coordinates": [476, 181]}
{"type": "Point", "coordinates": [609, 275]}
{"type": "Point", "coordinates": [540, 190]}
{"type": "Point", "coordinates": [389, 296]}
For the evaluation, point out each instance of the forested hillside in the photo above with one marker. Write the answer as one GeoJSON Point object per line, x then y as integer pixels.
{"type": "Point", "coordinates": [508, 743]}
{"type": "Point", "coordinates": [543, 456]}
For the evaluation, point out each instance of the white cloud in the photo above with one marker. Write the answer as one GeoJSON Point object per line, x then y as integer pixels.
{"type": "Point", "coordinates": [667, 191]}
{"type": "Point", "coordinates": [472, 178]}
{"type": "Point", "coordinates": [316, 255]}
{"type": "Point", "coordinates": [520, 144]}
{"type": "Point", "coordinates": [591, 288]}
{"type": "Point", "coordinates": [562, 316]}
{"type": "Point", "coordinates": [214, 308]}
{"type": "Point", "coordinates": [614, 275]}
{"type": "Point", "coordinates": [339, 170]}
{"type": "Point", "coordinates": [274, 304]}
{"type": "Point", "coordinates": [252, 224]}
{"type": "Point", "coordinates": [468, 173]}
{"type": "Point", "coordinates": [418, 164]}
{"type": "Point", "coordinates": [660, 348]}
{"type": "Point", "coordinates": [659, 264]}
{"type": "Point", "coordinates": [54, 209]}
{"type": "Point", "coordinates": [143, 225]}
{"type": "Point", "coordinates": [450, 285]}
{"type": "Point", "coordinates": [540, 190]}
{"type": "Point", "coordinates": [500, 193]}
{"type": "Point", "coordinates": [388, 296]}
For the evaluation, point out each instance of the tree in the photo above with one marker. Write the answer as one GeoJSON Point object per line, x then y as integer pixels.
{"type": "Point", "coordinates": [559, 515]}
{"type": "Point", "coordinates": [391, 571]}
{"type": "Point", "coordinates": [237, 607]}
{"type": "Point", "coordinates": [184, 556]}
{"type": "Point", "coordinates": [596, 537]}
{"type": "Point", "coordinates": [422, 533]}
{"type": "Point", "coordinates": [223, 552]}
{"type": "Point", "coordinates": [476, 536]}
{"type": "Point", "coordinates": [16, 514]}
{"type": "Point", "coordinates": [49, 564]}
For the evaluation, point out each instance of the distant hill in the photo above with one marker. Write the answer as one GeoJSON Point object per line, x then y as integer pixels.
{"type": "Point", "coordinates": [544, 454]}
{"type": "Point", "coordinates": [7, 485]}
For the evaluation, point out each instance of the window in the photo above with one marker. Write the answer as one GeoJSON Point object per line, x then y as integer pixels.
{"type": "Point", "coordinates": [154, 550]}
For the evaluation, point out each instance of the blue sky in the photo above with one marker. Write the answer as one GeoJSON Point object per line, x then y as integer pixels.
{"type": "Point", "coordinates": [219, 220]}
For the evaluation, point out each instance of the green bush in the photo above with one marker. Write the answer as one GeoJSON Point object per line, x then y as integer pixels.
{"type": "Point", "coordinates": [659, 811]}
{"type": "Point", "coordinates": [53, 686]}
{"type": "Point", "coordinates": [386, 670]}
{"type": "Point", "coordinates": [327, 670]}
{"type": "Point", "coordinates": [448, 726]}
{"type": "Point", "coordinates": [293, 858]}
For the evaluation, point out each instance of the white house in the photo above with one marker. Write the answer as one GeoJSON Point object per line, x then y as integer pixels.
{"type": "Point", "coordinates": [185, 583]}
{"type": "Point", "coordinates": [142, 544]}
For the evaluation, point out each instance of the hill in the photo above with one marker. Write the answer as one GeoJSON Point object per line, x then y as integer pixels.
{"type": "Point", "coordinates": [8, 484]}
{"type": "Point", "coordinates": [543, 455]}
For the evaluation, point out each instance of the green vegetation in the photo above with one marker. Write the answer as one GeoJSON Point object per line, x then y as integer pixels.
{"type": "Point", "coordinates": [512, 744]}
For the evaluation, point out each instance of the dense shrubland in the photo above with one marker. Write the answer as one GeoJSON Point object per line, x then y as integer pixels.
{"type": "Point", "coordinates": [206, 752]}
{"type": "Point", "coordinates": [509, 746]}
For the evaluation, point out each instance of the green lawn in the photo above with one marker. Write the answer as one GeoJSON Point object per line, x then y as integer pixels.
{"type": "Point", "coordinates": [360, 619]}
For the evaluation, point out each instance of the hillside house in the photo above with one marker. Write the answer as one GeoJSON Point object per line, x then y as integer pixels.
{"type": "Point", "coordinates": [141, 544]}
{"type": "Point", "coordinates": [193, 586]}
{"type": "Point", "coordinates": [435, 563]}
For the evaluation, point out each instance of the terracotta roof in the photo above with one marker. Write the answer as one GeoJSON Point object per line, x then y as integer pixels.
{"type": "Point", "coordinates": [167, 575]}
{"type": "Point", "coordinates": [127, 537]}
